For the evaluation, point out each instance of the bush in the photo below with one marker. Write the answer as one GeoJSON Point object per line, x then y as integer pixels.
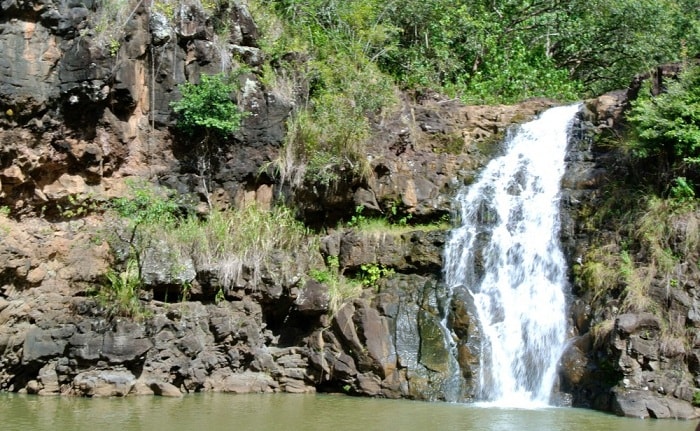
{"type": "Point", "coordinates": [667, 128]}
{"type": "Point", "coordinates": [120, 295]}
{"type": "Point", "coordinates": [208, 107]}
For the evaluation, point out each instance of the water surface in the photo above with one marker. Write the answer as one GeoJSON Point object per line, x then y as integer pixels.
{"type": "Point", "coordinates": [282, 412]}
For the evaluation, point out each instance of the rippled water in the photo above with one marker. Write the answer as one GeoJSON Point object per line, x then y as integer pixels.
{"type": "Point", "coordinates": [297, 412]}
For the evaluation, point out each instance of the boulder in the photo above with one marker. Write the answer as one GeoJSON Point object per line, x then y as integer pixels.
{"type": "Point", "coordinates": [104, 383]}
{"type": "Point", "coordinates": [645, 404]}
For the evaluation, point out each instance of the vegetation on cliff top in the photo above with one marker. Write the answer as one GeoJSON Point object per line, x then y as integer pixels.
{"type": "Point", "coordinates": [646, 228]}
{"type": "Point", "coordinates": [494, 51]}
{"type": "Point", "coordinates": [482, 51]}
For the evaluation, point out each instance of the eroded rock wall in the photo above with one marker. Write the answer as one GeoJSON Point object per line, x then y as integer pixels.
{"type": "Point", "coordinates": [630, 362]}
{"type": "Point", "coordinates": [84, 107]}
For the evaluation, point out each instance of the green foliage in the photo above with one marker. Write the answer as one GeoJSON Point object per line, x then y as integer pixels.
{"type": "Point", "coordinates": [120, 295]}
{"type": "Point", "coordinates": [681, 191]}
{"type": "Point", "coordinates": [328, 134]}
{"type": "Point", "coordinates": [371, 273]}
{"type": "Point", "coordinates": [146, 205]}
{"type": "Point", "coordinates": [329, 274]}
{"type": "Point", "coordinates": [667, 128]}
{"type": "Point", "coordinates": [4, 211]}
{"type": "Point", "coordinates": [504, 50]}
{"type": "Point", "coordinates": [642, 241]}
{"type": "Point", "coordinates": [230, 241]}
{"type": "Point", "coordinates": [395, 216]}
{"type": "Point", "coordinates": [482, 51]}
{"type": "Point", "coordinates": [165, 7]}
{"type": "Point", "coordinates": [114, 46]}
{"type": "Point", "coordinates": [696, 398]}
{"type": "Point", "coordinates": [220, 296]}
{"type": "Point", "coordinates": [207, 106]}
{"type": "Point", "coordinates": [358, 219]}
{"type": "Point", "coordinates": [340, 288]}
{"type": "Point", "coordinates": [629, 36]}
{"type": "Point", "coordinates": [78, 206]}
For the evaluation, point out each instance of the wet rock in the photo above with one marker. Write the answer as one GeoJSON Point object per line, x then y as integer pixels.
{"type": "Point", "coordinates": [165, 389]}
{"type": "Point", "coordinates": [106, 383]}
{"type": "Point", "coordinates": [433, 352]}
{"type": "Point", "coordinates": [643, 404]}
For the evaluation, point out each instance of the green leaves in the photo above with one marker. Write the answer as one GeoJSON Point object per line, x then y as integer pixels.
{"type": "Point", "coordinates": [207, 106]}
{"type": "Point", "coordinates": [670, 122]}
{"type": "Point", "coordinates": [146, 205]}
{"type": "Point", "coordinates": [668, 127]}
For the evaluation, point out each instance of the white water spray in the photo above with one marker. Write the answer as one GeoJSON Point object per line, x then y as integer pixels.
{"type": "Point", "coordinates": [506, 254]}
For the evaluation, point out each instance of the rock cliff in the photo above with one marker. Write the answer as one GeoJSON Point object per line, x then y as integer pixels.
{"type": "Point", "coordinates": [631, 355]}
{"type": "Point", "coordinates": [85, 106]}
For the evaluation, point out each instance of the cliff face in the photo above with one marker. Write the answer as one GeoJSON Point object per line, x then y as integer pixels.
{"type": "Point", "coordinates": [86, 93]}
{"type": "Point", "coordinates": [634, 346]}
{"type": "Point", "coordinates": [85, 104]}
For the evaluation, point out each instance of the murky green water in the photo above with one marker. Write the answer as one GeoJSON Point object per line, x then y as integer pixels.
{"type": "Point", "coordinates": [204, 412]}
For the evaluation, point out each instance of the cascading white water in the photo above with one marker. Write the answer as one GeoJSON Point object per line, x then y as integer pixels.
{"type": "Point", "coordinates": [506, 254]}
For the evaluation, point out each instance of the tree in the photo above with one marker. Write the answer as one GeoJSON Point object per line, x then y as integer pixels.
{"type": "Point", "coordinates": [207, 109]}
{"type": "Point", "coordinates": [667, 127]}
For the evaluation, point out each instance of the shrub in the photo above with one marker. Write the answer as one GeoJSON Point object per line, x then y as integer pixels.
{"type": "Point", "coordinates": [120, 294]}
{"type": "Point", "coordinates": [208, 107]}
{"type": "Point", "coordinates": [667, 128]}
{"type": "Point", "coordinates": [340, 288]}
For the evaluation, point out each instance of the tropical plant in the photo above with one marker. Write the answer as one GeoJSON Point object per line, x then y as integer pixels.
{"type": "Point", "coordinates": [207, 110]}
{"type": "Point", "coordinates": [207, 106]}
{"type": "Point", "coordinates": [667, 128]}
{"type": "Point", "coordinates": [120, 294]}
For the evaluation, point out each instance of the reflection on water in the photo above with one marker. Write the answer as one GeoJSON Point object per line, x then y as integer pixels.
{"type": "Point", "coordinates": [203, 412]}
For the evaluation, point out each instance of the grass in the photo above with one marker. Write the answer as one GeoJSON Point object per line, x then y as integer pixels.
{"type": "Point", "coordinates": [645, 241]}
{"type": "Point", "coordinates": [236, 244]}
{"type": "Point", "coordinates": [120, 295]}
{"type": "Point", "coordinates": [337, 92]}
{"type": "Point", "coordinates": [232, 240]}
{"type": "Point", "coordinates": [341, 289]}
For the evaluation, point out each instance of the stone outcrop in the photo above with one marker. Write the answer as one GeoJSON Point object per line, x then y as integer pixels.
{"type": "Point", "coordinates": [625, 362]}
{"type": "Point", "coordinates": [83, 108]}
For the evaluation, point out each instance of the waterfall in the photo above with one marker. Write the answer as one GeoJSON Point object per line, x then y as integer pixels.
{"type": "Point", "coordinates": [506, 257]}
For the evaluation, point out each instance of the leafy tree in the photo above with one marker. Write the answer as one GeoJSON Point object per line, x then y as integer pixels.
{"type": "Point", "coordinates": [605, 44]}
{"type": "Point", "coordinates": [667, 127]}
{"type": "Point", "coordinates": [207, 106]}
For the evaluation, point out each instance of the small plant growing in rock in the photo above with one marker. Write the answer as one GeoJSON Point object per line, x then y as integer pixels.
{"type": "Point", "coordinates": [121, 293]}
{"type": "Point", "coordinates": [340, 288]}
{"type": "Point", "coordinates": [696, 398]}
{"type": "Point", "coordinates": [207, 107]}
{"type": "Point", "coordinates": [206, 110]}
{"type": "Point", "coordinates": [372, 273]}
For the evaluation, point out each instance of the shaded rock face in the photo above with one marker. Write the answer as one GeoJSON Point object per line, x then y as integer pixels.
{"type": "Point", "coordinates": [626, 363]}
{"type": "Point", "coordinates": [263, 338]}
{"type": "Point", "coordinates": [78, 114]}
{"type": "Point", "coordinates": [81, 106]}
